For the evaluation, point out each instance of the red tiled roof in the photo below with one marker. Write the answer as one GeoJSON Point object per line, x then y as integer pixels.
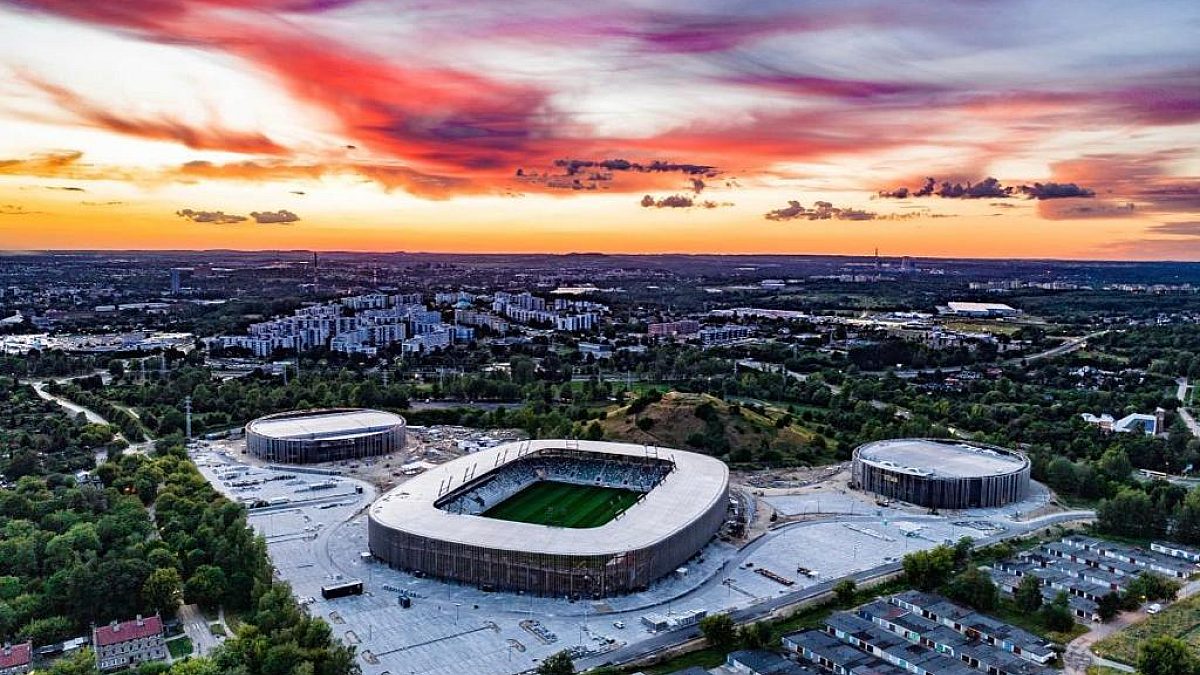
{"type": "Point", "coordinates": [16, 655]}
{"type": "Point", "coordinates": [109, 634]}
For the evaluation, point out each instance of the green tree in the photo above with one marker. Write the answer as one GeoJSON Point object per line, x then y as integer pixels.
{"type": "Point", "coordinates": [1057, 615]}
{"type": "Point", "coordinates": [82, 662]}
{"type": "Point", "coordinates": [719, 631]}
{"type": "Point", "coordinates": [845, 591]}
{"type": "Point", "coordinates": [559, 663]}
{"type": "Point", "coordinates": [206, 587]}
{"type": "Point", "coordinates": [755, 635]}
{"type": "Point", "coordinates": [1028, 595]}
{"type": "Point", "coordinates": [162, 590]}
{"type": "Point", "coordinates": [929, 569]}
{"type": "Point", "coordinates": [1165, 655]}
{"type": "Point", "coordinates": [975, 588]}
{"type": "Point", "coordinates": [1109, 605]}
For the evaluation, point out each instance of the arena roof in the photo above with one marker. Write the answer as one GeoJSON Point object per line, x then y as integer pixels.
{"type": "Point", "coordinates": [682, 498]}
{"type": "Point", "coordinates": [944, 458]}
{"type": "Point", "coordinates": [324, 424]}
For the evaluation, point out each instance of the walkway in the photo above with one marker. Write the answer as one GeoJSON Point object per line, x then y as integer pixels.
{"type": "Point", "coordinates": [195, 625]}
{"type": "Point", "coordinates": [1184, 414]}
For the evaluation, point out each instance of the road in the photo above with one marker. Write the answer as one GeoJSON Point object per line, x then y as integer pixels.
{"type": "Point", "coordinates": [195, 626]}
{"type": "Point", "coordinates": [769, 608]}
{"type": "Point", "coordinates": [91, 416]}
{"type": "Point", "coordinates": [1184, 414]}
{"type": "Point", "coordinates": [1070, 345]}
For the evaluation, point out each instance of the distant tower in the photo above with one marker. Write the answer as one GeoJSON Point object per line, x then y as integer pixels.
{"type": "Point", "coordinates": [906, 264]}
{"type": "Point", "coordinates": [176, 280]}
{"type": "Point", "coordinates": [315, 277]}
{"type": "Point", "coordinates": [878, 264]}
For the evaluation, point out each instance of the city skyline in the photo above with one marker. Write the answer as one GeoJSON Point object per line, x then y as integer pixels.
{"type": "Point", "coordinates": [635, 127]}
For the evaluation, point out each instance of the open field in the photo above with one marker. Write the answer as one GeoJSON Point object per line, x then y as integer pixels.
{"type": "Point", "coordinates": [1180, 620]}
{"type": "Point", "coordinates": [564, 505]}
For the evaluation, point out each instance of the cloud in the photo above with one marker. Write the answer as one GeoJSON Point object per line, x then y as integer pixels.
{"type": "Point", "coordinates": [280, 216]}
{"type": "Point", "coordinates": [47, 164]}
{"type": "Point", "coordinates": [988, 188]}
{"type": "Point", "coordinates": [820, 211]}
{"type": "Point", "coordinates": [162, 128]}
{"type": "Point", "coordinates": [671, 202]}
{"type": "Point", "coordinates": [65, 188]}
{"type": "Point", "coordinates": [1182, 229]}
{"type": "Point", "coordinates": [681, 202]}
{"type": "Point", "coordinates": [217, 217]}
{"type": "Point", "coordinates": [1056, 191]}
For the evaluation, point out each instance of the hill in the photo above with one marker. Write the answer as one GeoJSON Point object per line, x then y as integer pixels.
{"type": "Point", "coordinates": [703, 423]}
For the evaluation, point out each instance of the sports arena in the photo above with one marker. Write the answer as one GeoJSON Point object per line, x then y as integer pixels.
{"type": "Point", "coordinates": [942, 474]}
{"type": "Point", "coordinates": [325, 435]}
{"type": "Point", "coordinates": [554, 517]}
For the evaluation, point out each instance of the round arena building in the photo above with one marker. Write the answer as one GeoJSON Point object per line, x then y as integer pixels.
{"type": "Point", "coordinates": [942, 474]}
{"type": "Point", "coordinates": [325, 435]}
{"type": "Point", "coordinates": [554, 517]}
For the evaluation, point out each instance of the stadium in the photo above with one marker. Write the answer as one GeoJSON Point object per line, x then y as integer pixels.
{"type": "Point", "coordinates": [941, 474]}
{"type": "Point", "coordinates": [324, 435]}
{"type": "Point", "coordinates": [553, 517]}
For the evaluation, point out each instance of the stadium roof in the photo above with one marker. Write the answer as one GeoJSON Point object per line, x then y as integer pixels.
{"type": "Point", "coordinates": [324, 424]}
{"type": "Point", "coordinates": [942, 458]}
{"type": "Point", "coordinates": [682, 498]}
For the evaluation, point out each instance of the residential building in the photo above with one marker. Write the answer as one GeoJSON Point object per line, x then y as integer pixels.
{"type": "Point", "coordinates": [16, 659]}
{"type": "Point", "coordinates": [123, 644]}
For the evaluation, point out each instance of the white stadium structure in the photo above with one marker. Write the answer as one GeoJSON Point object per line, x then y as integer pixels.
{"type": "Point", "coordinates": [434, 524]}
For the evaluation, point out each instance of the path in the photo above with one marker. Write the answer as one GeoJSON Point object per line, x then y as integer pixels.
{"type": "Point", "coordinates": [1184, 414]}
{"type": "Point", "coordinates": [39, 386]}
{"type": "Point", "coordinates": [1070, 345]}
{"type": "Point", "coordinates": [1079, 652]}
{"type": "Point", "coordinates": [195, 626]}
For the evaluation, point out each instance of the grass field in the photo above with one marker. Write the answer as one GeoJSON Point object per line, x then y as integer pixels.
{"type": "Point", "coordinates": [1180, 619]}
{"type": "Point", "coordinates": [564, 505]}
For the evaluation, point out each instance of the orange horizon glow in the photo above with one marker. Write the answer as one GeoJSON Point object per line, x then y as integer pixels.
{"type": "Point", "coordinates": [633, 129]}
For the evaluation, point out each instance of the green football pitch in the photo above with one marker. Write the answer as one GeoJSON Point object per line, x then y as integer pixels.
{"type": "Point", "coordinates": [564, 505]}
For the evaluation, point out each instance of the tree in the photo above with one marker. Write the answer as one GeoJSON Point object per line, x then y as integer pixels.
{"type": "Point", "coordinates": [1109, 605]}
{"type": "Point", "coordinates": [82, 662]}
{"type": "Point", "coordinates": [559, 663]}
{"type": "Point", "coordinates": [718, 629]}
{"type": "Point", "coordinates": [1057, 615]}
{"type": "Point", "coordinates": [974, 588]}
{"type": "Point", "coordinates": [755, 635]}
{"type": "Point", "coordinates": [1028, 595]}
{"type": "Point", "coordinates": [929, 569]}
{"type": "Point", "coordinates": [161, 591]}
{"type": "Point", "coordinates": [962, 550]}
{"type": "Point", "coordinates": [206, 587]}
{"type": "Point", "coordinates": [1165, 655]}
{"type": "Point", "coordinates": [1148, 587]}
{"type": "Point", "coordinates": [845, 591]}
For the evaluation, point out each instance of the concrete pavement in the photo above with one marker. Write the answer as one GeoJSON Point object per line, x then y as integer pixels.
{"type": "Point", "coordinates": [195, 626]}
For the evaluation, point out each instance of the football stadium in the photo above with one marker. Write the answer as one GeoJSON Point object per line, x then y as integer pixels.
{"type": "Point", "coordinates": [942, 474]}
{"type": "Point", "coordinates": [554, 517]}
{"type": "Point", "coordinates": [336, 434]}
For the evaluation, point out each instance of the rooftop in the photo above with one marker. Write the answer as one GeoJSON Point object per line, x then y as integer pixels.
{"type": "Point", "coordinates": [124, 631]}
{"type": "Point", "coordinates": [16, 655]}
{"type": "Point", "coordinates": [683, 497]}
{"type": "Point", "coordinates": [951, 459]}
{"type": "Point", "coordinates": [324, 424]}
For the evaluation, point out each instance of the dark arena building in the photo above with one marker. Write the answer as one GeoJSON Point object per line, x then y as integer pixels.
{"type": "Point", "coordinates": [942, 474]}
{"type": "Point", "coordinates": [554, 517]}
{"type": "Point", "coordinates": [325, 435]}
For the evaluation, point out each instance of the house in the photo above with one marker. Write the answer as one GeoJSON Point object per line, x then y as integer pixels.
{"type": "Point", "coordinates": [123, 644]}
{"type": "Point", "coordinates": [15, 659]}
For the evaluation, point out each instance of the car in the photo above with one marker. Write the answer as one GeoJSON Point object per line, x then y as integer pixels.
{"type": "Point", "coordinates": [618, 624]}
{"type": "Point", "coordinates": [1154, 608]}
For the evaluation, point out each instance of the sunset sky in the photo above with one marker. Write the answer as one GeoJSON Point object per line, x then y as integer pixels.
{"type": "Point", "coordinates": [622, 126]}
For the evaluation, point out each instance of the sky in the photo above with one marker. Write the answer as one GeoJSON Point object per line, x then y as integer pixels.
{"type": "Point", "coordinates": [957, 128]}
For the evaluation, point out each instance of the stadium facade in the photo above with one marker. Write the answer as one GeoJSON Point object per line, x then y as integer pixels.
{"type": "Point", "coordinates": [433, 524]}
{"type": "Point", "coordinates": [336, 434]}
{"type": "Point", "coordinates": [942, 474]}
